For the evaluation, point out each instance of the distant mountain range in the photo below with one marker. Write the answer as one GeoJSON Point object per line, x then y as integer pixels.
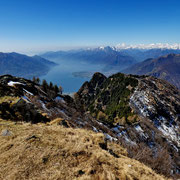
{"type": "Point", "coordinates": [142, 52]}
{"type": "Point", "coordinates": [139, 59]}
{"type": "Point", "coordinates": [165, 67]}
{"type": "Point", "coordinates": [24, 66]}
{"type": "Point", "coordinates": [174, 46]}
{"type": "Point", "coordinates": [118, 57]}
{"type": "Point", "coordinates": [108, 56]}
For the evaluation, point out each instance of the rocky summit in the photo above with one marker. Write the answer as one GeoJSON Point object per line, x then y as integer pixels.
{"type": "Point", "coordinates": [137, 115]}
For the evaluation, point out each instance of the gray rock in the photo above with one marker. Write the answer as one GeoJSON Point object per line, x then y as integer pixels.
{"type": "Point", "coordinates": [6, 132]}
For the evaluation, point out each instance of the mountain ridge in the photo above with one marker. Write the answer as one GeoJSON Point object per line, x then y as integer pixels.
{"type": "Point", "coordinates": [22, 65]}
{"type": "Point", "coordinates": [106, 56]}
{"type": "Point", "coordinates": [165, 67]}
{"type": "Point", "coordinates": [138, 53]}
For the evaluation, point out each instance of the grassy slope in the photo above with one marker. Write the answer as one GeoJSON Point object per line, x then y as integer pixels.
{"type": "Point", "coordinates": [53, 152]}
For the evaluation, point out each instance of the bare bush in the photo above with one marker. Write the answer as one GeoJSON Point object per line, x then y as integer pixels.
{"type": "Point", "coordinates": [157, 158]}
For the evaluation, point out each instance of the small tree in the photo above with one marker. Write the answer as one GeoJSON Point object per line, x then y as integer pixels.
{"type": "Point", "coordinates": [51, 85]}
{"type": "Point", "coordinates": [36, 80]}
{"type": "Point", "coordinates": [56, 89]}
{"type": "Point", "coordinates": [45, 85]}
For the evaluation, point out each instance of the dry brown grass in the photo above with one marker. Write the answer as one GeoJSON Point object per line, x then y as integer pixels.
{"type": "Point", "coordinates": [9, 99]}
{"type": "Point", "coordinates": [42, 151]}
{"type": "Point", "coordinates": [55, 121]}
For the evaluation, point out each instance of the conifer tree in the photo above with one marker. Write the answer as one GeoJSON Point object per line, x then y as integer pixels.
{"type": "Point", "coordinates": [56, 89]}
{"type": "Point", "coordinates": [45, 85]}
{"type": "Point", "coordinates": [51, 85]}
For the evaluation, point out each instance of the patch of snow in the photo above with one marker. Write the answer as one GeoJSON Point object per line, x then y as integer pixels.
{"type": "Point", "coordinates": [121, 133]}
{"type": "Point", "coordinates": [95, 129]}
{"type": "Point", "coordinates": [12, 83]}
{"type": "Point", "coordinates": [116, 129]}
{"type": "Point", "coordinates": [43, 105]}
{"type": "Point", "coordinates": [26, 99]}
{"type": "Point", "coordinates": [128, 140]}
{"type": "Point", "coordinates": [138, 128]}
{"type": "Point", "coordinates": [170, 133]}
{"type": "Point", "coordinates": [110, 138]}
{"type": "Point", "coordinates": [28, 92]}
{"type": "Point", "coordinates": [140, 101]}
{"type": "Point", "coordinates": [177, 150]}
{"type": "Point", "coordinates": [58, 98]}
{"type": "Point", "coordinates": [140, 131]}
{"type": "Point", "coordinates": [161, 118]}
{"type": "Point", "coordinates": [125, 136]}
{"type": "Point", "coordinates": [80, 122]}
{"type": "Point", "coordinates": [101, 47]}
{"type": "Point", "coordinates": [100, 123]}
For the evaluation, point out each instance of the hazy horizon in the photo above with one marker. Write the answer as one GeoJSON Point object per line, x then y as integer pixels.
{"type": "Point", "coordinates": [39, 51]}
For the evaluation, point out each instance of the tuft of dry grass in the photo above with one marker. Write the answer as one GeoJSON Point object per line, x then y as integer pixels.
{"type": "Point", "coordinates": [10, 99]}
{"type": "Point", "coordinates": [56, 121]}
{"type": "Point", "coordinates": [40, 151]}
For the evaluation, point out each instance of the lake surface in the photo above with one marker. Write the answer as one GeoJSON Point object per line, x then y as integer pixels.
{"type": "Point", "coordinates": [62, 74]}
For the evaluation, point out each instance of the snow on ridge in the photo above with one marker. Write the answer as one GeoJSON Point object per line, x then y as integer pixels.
{"type": "Point", "coordinates": [140, 101]}
{"type": "Point", "coordinates": [13, 83]}
{"type": "Point", "coordinates": [124, 46]}
{"type": "Point", "coordinates": [170, 132]}
{"type": "Point", "coordinates": [28, 92]}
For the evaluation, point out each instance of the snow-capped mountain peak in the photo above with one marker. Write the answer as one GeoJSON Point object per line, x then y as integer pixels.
{"type": "Point", "coordinates": [107, 48]}
{"type": "Point", "coordinates": [149, 46]}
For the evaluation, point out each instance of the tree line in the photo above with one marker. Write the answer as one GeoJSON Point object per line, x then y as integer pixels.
{"type": "Point", "coordinates": [51, 89]}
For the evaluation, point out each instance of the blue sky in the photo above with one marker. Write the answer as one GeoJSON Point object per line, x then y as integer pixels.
{"type": "Point", "coordinates": [40, 25]}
